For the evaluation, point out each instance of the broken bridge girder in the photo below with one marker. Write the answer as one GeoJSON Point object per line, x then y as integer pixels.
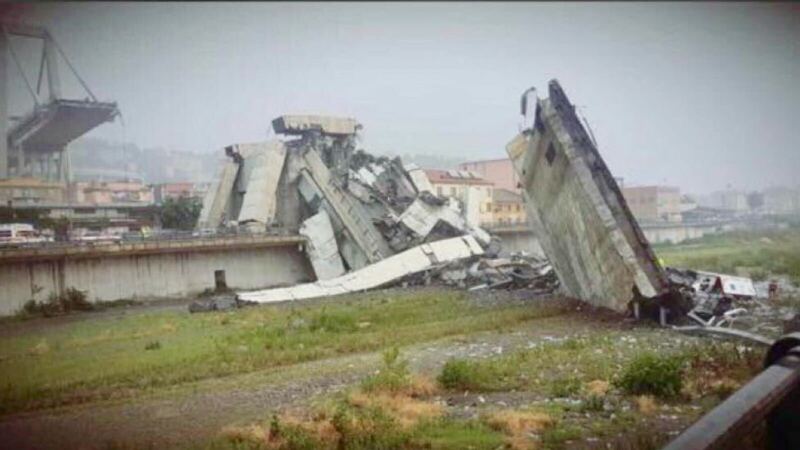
{"type": "Point", "coordinates": [577, 210]}
{"type": "Point", "coordinates": [347, 209]}
{"type": "Point", "coordinates": [391, 269]}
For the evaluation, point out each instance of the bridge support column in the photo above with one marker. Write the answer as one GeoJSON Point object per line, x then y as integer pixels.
{"type": "Point", "coordinates": [3, 106]}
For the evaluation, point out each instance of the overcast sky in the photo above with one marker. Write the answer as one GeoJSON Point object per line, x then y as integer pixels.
{"type": "Point", "coordinates": [702, 96]}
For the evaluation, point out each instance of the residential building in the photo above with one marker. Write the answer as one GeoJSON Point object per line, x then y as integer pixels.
{"type": "Point", "coordinates": [110, 192]}
{"type": "Point", "coordinates": [474, 193]}
{"type": "Point", "coordinates": [499, 172]}
{"type": "Point", "coordinates": [185, 189]}
{"type": "Point", "coordinates": [654, 203]}
{"type": "Point", "coordinates": [728, 199]}
{"type": "Point", "coordinates": [781, 200]}
{"type": "Point", "coordinates": [29, 190]}
{"type": "Point", "coordinates": [507, 209]}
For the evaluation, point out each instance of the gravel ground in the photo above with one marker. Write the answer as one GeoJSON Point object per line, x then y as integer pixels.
{"type": "Point", "coordinates": [198, 411]}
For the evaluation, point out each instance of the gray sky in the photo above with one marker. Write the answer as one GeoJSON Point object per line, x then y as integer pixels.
{"type": "Point", "coordinates": [697, 95]}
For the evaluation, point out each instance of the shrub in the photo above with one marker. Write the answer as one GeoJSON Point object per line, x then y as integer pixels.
{"type": "Point", "coordinates": [653, 374]}
{"type": "Point", "coordinates": [460, 374]}
{"type": "Point", "coordinates": [565, 387]}
{"type": "Point", "coordinates": [75, 300]}
{"type": "Point", "coordinates": [367, 428]}
{"type": "Point", "coordinates": [152, 345]}
{"type": "Point", "coordinates": [393, 378]}
{"type": "Point", "coordinates": [72, 300]}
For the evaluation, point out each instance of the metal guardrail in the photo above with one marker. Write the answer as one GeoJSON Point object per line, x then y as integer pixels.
{"type": "Point", "coordinates": [159, 237]}
{"type": "Point", "coordinates": [772, 398]}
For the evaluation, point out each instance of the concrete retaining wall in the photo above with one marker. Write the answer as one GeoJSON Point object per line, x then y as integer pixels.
{"type": "Point", "coordinates": [159, 275]}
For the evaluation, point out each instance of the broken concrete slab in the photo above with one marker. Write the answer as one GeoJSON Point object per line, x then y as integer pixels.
{"type": "Point", "coordinates": [386, 271]}
{"type": "Point", "coordinates": [260, 199]}
{"type": "Point", "coordinates": [578, 212]}
{"type": "Point", "coordinates": [321, 248]}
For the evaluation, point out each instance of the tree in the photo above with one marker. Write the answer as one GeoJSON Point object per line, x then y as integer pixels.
{"type": "Point", "coordinates": [181, 213]}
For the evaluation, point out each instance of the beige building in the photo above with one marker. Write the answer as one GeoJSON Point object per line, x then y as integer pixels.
{"type": "Point", "coordinates": [507, 208]}
{"type": "Point", "coordinates": [499, 172]}
{"type": "Point", "coordinates": [654, 203]}
{"type": "Point", "coordinates": [474, 193]}
{"type": "Point", "coordinates": [28, 190]}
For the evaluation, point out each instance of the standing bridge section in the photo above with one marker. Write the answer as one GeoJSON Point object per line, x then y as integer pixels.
{"type": "Point", "coordinates": [35, 144]}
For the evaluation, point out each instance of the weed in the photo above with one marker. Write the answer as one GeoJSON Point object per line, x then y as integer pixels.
{"type": "Point", "coordinates": [441, 434]}
{"type": "Point", "coordinates": [646, 405]}
{"type": "Point", "coordinates": [72, 300]}
{"type": "Point", "coordinates": [460, 374]}
{"type": "Point", "coordinates": [650, 373]}
{"type": "Point", "coordinates": [557, 436]}
{"type": "Point", "coordinates": [367, 428]}
{"type": "Point", "coordinates": [593, 403]}
{"type": "Point", "coordinates": [393, 378]}
{"type": "Point", "coordinates": [565, 387]}
{"type": "Point", "coordinates": [152, 345]}
{"type": "Point", "coordinates": [334, 322]}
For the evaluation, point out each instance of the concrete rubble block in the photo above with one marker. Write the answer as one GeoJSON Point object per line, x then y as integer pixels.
{"type": "Point", "coordinates": [218, 197]}
{"type": "Point", "coordinates": [301, 124]}
{"type": "Point", "coordinates": [577, 210]}
{"type": "Point", "coordinates": [419, 178]}
{"type": "Point", "coordinates": [322, 249]}
{"type": "Point", "coordinates": [348, 210]}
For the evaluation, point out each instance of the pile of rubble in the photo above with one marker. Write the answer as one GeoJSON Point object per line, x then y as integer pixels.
{"type": "Point", "coordinates": [374, 222]}
{"type": "Point", "coordinates": [369, 221]}
{"type": "Point", "coordinates": [733, 306]}
{"type": "Point", "coordinates": [355, 209]}
{"type": "Point", "coordinates": [519, 271]}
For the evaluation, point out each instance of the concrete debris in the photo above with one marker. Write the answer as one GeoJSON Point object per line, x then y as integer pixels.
{"type": "Point", "coordinates": [376, 275]}
{"type": "Point", "coordinates": [354, 209]}
{"type": "Point", "coordinates": [221, 301]}
{"type": "Point", "coordinates": [485, 272]}
{"type": "Point", "coordinates": [723, 302]}
{"type": "Point", "coordinates": [245, 193]}
{"type": "Point", "coordinates": [577, 210]}
{"type": "Point", "coordinates": [322, 250]}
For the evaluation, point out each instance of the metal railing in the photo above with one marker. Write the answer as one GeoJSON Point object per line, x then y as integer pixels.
{"type": "Point", "coordinates": [769, 402]}
{"type": "Point", "coordinates": [169, 236]}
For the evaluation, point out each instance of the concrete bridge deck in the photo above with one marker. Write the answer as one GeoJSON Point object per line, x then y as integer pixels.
{"type": "Point", "coordinates": [150, 269]}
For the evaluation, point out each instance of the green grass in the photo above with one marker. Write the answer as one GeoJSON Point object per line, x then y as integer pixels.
{"type": "Point", "coordinates": [455, 434]}
{"type": "Point", "coordinates": [678, 371]}
{"type": "Point", "coordinates": [102, 358]}
{"type": "Point", "coordinates": [757, 253]}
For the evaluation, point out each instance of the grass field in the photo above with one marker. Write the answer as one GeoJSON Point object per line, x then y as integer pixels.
{"type": "Point", "coordinates": [624, 389]}
{"type": "Point", "coordinates": [757, 254]}
{"type": "Point", "coordinates": [97, 359]}
{"type": "Point", "coordinates": [572, 378]}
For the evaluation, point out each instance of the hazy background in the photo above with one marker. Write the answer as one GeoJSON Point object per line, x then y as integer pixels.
{"type": "Point", "coordinates": [703, 96]}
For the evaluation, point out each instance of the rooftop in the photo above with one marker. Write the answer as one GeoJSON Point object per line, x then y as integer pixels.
{"type": "Point", "coordinates": [505, 196]}
{"type": "Point", "coordinates": [455, 177]}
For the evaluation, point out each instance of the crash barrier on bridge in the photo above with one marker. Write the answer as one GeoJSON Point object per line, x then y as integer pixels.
{"type": "Point", "coordinates": [765, 413]}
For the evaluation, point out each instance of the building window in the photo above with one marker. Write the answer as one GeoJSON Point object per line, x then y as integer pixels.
{"type": "Point", "coordinates": [439, 191]}
{"type": "Point", "coordinates": [453, 191]}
